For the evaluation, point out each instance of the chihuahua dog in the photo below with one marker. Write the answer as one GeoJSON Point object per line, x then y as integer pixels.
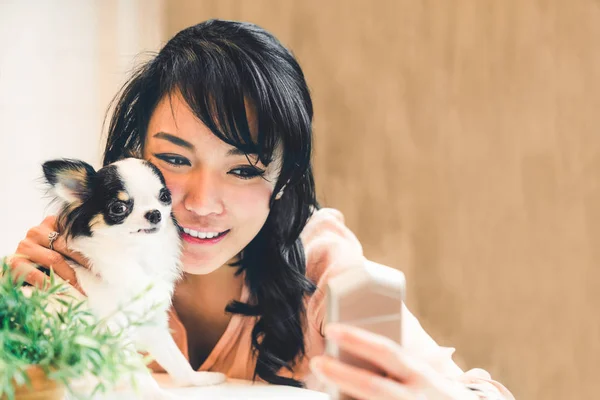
{"type": "Point", "coordinates": [119, 218]}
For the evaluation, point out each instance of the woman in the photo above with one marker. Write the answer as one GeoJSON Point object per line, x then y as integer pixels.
{"type": "Point", "coordinates": [225, 113]}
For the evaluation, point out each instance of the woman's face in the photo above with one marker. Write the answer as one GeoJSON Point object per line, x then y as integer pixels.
{"type": "Point", "coordinates": [220, 199]}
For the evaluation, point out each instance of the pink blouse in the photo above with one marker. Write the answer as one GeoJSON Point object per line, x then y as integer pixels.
{"type": "Point", "coordinates": [330, 248]}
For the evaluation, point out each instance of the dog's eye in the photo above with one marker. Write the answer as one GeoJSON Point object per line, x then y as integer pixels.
{"type": "Point", "coordinates": [118, 208]}
{"type": "Point", "coordinates": [165, 196]}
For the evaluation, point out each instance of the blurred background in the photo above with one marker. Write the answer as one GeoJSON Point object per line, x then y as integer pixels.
{"type": "Point", "coordinates": [460, 138]}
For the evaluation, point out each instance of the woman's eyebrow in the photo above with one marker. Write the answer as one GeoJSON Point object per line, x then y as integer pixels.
{"type": "Point", "coordinates": [174, 139]}
{"type": "Point", "coordinates": [234, 151]}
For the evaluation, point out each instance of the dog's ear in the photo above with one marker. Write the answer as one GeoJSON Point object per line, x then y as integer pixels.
{"type": "Point", "coordinates": [69, 179]}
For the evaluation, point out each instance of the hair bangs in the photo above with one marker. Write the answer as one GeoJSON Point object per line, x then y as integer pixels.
{"type": "Point", "coordinates": [221, 89]}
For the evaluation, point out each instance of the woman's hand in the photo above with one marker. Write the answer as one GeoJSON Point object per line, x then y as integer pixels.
{"type": "Point", "coordinates": [35, 248]}
{"type": "Point", "coordinates": [407, 377]}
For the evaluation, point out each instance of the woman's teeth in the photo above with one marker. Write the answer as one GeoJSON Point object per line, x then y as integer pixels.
{"type": "Point", "coordinates": [201, 235]}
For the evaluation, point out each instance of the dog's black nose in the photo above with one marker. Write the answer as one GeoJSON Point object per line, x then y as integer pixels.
{"type": "Point", "coordinates": [153, 216]}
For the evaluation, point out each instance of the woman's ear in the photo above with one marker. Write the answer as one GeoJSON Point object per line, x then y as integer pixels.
{"type": "Point", "coordinates": [69, 179]}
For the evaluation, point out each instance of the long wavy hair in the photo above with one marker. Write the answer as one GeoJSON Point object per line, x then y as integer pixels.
{"type": "Point", "coordinates": [216, 66]}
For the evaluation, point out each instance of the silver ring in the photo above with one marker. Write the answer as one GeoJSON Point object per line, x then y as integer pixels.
{"type": "Point", "coordinates": [51, 238]}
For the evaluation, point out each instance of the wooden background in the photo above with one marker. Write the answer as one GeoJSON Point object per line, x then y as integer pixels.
{"type": "Point", "coordinates": [461, 140]}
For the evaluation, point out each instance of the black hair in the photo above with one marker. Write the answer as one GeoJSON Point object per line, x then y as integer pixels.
{"type": "Point", "coordinates": [217, 65]}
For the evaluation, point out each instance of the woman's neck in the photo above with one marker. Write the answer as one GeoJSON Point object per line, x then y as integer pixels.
{"type": "Point", "coordinates": [200, 302]}
{"type": "Point", "coordinates": [209, 293]}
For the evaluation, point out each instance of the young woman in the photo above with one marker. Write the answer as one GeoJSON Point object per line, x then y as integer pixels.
{"type": "Point", "coordinates": [225, 113]}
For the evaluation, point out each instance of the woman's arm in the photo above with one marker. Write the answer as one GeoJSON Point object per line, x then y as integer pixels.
{"type": "Point", "coordinates": [406, 376]}
{"type": "Point", "coordinates": [332, 248]}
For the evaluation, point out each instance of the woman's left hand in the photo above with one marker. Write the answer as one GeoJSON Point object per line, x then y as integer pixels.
{"type": "Point", "coordinates": [407, 377]}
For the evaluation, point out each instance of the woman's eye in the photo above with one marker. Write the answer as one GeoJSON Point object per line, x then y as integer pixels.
{"type": "Point", "coordinates": [118, 209]}
{"type": "Point", "coordinates": [247, 172]}
{"type": "Point", "coordinates": [173, 159]}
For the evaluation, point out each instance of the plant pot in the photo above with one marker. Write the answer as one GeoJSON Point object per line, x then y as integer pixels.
{"type": "Point", "coordinates": [41, 387]}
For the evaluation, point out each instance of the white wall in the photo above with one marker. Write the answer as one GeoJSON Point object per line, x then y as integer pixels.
{"type": "Point", "coordinates": [61, 62]}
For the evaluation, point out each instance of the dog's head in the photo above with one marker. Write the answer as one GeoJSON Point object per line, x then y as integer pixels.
{"type": "Point", "coordinates": [126, 197]}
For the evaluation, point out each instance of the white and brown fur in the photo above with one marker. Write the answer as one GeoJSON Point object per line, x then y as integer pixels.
{"type": "Point", "coordinates": [119, 218]}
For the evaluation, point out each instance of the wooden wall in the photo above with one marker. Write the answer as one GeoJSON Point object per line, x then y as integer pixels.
{"type": "Point", "coordinates": [461, 140]}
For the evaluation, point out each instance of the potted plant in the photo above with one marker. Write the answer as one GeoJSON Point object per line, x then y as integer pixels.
{"type": "Point", "coordinates": [49, 341]}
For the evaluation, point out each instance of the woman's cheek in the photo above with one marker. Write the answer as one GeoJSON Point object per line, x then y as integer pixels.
{"type": "Point", "coordinates": [254, 198]}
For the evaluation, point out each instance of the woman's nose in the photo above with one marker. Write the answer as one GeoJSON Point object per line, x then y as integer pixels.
{"type": "Point", "coordinates": [203, 194]}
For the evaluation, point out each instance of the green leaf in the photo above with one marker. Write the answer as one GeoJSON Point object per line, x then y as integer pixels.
{"type": "Point", "coordinates": [68, 343]}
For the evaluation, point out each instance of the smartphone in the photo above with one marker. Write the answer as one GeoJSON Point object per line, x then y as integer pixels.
{"type": "Point", "coordinates": [370, 298]}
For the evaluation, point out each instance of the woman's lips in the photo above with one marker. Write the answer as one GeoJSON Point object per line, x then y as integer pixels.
{"type": "Point", "coordinates": [198, 240]}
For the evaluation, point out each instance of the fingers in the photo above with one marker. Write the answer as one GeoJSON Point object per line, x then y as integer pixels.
{"type": "Point", "coordinates": [45, 257]}
{"type": "Point", "coordinates": [41, 235]}
{"type": "Point", "coordinates": [34, 249]}
{"type": "Point", "coordinates": [23, 268]}
{"type": "Point", "coordinates": [359, 383]}
{"type": "Point", "coordinates": [379, 351]}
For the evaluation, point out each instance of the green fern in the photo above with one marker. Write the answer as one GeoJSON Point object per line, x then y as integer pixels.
{"type": "Point", "coordinates": [68, 343]}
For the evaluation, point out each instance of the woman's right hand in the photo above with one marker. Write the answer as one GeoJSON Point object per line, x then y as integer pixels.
{"type": "Point", "coordinates": [35, 248]}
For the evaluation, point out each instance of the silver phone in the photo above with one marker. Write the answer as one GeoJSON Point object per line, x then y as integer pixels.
{"type": "Point", "coordinates": [370, 298]}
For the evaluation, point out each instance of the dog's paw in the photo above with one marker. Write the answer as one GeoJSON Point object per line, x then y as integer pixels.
{"type": "Point", "coordinates": [204, 378]}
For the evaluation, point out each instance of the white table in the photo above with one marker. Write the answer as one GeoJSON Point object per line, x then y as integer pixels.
{"type": "Point", "coordinates": [233, 389]}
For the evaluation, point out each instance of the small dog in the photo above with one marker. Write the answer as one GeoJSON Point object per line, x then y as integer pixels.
{"type": "Point", "coordinates": [119, 218]}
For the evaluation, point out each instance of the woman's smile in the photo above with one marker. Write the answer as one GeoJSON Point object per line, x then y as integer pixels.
{"type": "Point", "coordinates": [203, 237]}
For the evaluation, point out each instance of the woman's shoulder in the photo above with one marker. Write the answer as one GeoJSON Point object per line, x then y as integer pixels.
{"type": "Point", "coordinates": [329, 245]}
{"type": "Point", "coordinates": [330, 248]}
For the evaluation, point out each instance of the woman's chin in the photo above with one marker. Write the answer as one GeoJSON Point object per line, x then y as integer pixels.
{"type": "Point", "coordinates": [200, 266]}
{"type": "Point", "coordinates": [196, 262]}
{"type": "Point", "coordinates": [199, 269]}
